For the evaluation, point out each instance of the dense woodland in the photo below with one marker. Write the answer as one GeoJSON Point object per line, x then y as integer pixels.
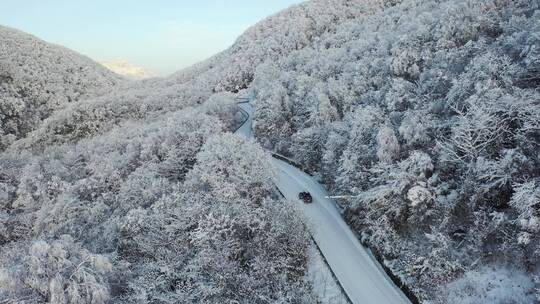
{"type": "Point", "coordinates": [425, 113]}
{"type": "Point", "coordinates": [37, 78]}
{"type": "Point", "coordinates": [428, 115]}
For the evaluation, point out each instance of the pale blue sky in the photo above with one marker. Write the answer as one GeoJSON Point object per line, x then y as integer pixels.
{"type": "Point", "coordinates": [160, 35]}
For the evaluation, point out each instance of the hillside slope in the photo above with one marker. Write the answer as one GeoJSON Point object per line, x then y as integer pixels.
{"type": "Point", "coordinates": [424, 114]}
{"type": "Point", "coordinates": [229, 71]}
{"type": "Point", "coordinates": [37, 78]}
{"type": "Point", "coordinates": [424, 118]}
{"type": "Point", "coordinates": [140, 195]}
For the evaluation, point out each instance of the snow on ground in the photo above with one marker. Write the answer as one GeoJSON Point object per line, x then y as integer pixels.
{"type": "Point", "coordinates": [320, 277]}
{"type": "Point", "coordinates": [491, 285]}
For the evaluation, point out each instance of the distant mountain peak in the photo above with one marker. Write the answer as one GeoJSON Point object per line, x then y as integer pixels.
{"type": "Point", "coordinates": [124, 68]}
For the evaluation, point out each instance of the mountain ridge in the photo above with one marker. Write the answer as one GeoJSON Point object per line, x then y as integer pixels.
{"type": "Point", "coordinates": [37, 78]}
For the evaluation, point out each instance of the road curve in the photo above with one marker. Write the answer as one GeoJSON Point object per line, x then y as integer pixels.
{"type": "Point", "coordinates": [362, 278]}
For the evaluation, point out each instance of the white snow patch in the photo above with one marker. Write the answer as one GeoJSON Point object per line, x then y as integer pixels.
{"type": "Point", "coordinates": [320, 277]}
{"type": "Point", "coordinates": [490, 285]}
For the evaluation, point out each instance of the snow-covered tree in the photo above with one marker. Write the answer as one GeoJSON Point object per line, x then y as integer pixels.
{"type": "Point", "coordinates": [387, 144]}
{"type": "Point", "coordinates": [224, 165]}
{"type": "Point", "coordinates": [61, 271]}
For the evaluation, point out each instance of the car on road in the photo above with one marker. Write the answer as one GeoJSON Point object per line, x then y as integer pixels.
{"type": "Point", "coordinates": [305, 197]}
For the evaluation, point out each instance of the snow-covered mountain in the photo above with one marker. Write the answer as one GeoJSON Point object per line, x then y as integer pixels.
{"type": "Point", "coordinates": [124, 68]}
{"type": "Point", "coordinates": [37, 78]}
{"type": "Point", "coordinates": [229, 71]}
{"type": "Point", "coordinates": [424, 115]}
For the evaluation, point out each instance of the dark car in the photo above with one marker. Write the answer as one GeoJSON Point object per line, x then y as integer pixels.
{"type": "Point", "coordinates": [305, 197]}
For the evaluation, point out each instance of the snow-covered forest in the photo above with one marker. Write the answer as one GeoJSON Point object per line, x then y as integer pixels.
{"type": "Point", "coordinates": [423, 115]}
{"type": "Point", "coordinates": [37, 78]}
{"type": "Point", "coordinates": [427, 114]}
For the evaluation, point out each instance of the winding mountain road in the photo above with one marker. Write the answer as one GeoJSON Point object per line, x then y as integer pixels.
{"type": "Point", "coordinates": [359, 274]}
